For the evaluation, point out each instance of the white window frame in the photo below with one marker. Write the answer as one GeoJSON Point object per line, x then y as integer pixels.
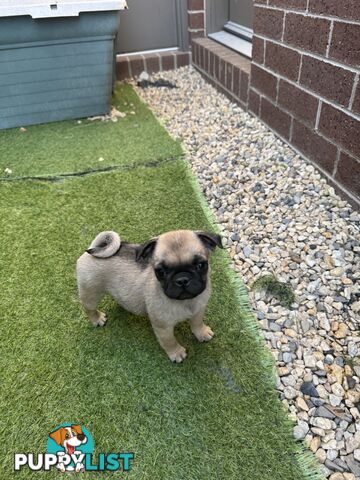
{"type": "Point", "coordinates": [232, 35]}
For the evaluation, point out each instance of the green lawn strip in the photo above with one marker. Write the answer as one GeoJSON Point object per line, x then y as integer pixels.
{"type": "Point", "coordinates": [66, 147]}
{"type": "Point", "coordinates": [216, 416]}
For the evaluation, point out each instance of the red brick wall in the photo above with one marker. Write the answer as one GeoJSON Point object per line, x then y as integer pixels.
{"type": "Point", "coordinates": [305, 80]}
{"type": "Point", "coordinates": [130, 66]}
{"type": "Point", "coordinates": [196, 19]}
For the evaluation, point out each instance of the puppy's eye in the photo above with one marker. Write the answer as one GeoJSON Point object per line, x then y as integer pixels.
{"type": "Point", "coordinates": [67, 435]}
{"type": "Point", "coordinates": [160, 273]}
{"type": "Point", "coordinates": [201, 266]}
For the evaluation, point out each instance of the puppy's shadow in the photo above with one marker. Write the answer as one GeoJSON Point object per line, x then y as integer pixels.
{"type": "Point", "coordinates": [129, 340]}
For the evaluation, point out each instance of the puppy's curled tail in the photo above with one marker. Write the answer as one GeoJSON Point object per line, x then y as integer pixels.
{"type": "Point", "coordinates": [105, 245]}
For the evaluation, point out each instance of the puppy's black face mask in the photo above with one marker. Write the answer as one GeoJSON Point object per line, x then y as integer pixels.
{"type": "Point", "coordinates": [181, 282]}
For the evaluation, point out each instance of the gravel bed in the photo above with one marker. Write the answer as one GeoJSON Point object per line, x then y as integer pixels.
{"type": "Point", "coordinates": [279, 216]}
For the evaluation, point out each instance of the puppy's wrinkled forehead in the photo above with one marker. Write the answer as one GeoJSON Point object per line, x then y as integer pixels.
{"type": "Point", "coordinates": [180, 247]}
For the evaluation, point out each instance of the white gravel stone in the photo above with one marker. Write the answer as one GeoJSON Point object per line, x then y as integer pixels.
{"type": "Point", "coordinates": [334, 400]}
{"type": "Point", "coordinates": [322, 391]}
{"type": "Point", "coordinates": [289, 380]}
{"type": "Point", "coordinates": [301, 430]}
{"type": "Point", "coordinates": [315, 444]}
{"type": "Point", "coordinates": [337, 390]}
{"type": "Point", "coordinates": [337, 476]}
{"type": "Point", "coordinates": [301, 404]}
{"type": "Point", "coordinates": [309, 359]}
{"type": "Point", "coordinates": [357, 454]}
{"type": "Point", "coordinates": [349, 476]}
{"type": "Point", "coordinates": [322, 422]}
{"type": "Point", "coordinates": [332, 454]}
{"type": "Point", "coordinates": [353, 442]}
{"type": "Point", "coordinates": [352, 349]}
{"type": "Point", "coordinates": [290, 393]}
{"type": "Point", "coordinates": [321, 455]}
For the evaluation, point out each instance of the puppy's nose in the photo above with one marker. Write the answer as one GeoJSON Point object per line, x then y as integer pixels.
{"type": "Point", "coordinates": [80, 436]}
{"type": "Point", "coordinates": [181, 281]}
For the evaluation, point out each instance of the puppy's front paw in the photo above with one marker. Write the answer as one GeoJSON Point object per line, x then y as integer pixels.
{"type": "Point", "coordinates": [204, 334]}
{"type": "Point", "coordinates": [99, 319]}
{"type": "Point", "coordinates": [79, 467]}
{"type": "Point", "coordinates": [179, 355]}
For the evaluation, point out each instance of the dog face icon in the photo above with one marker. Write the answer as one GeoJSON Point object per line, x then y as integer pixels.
{"type": "Point", "coordinates": [69, 437]}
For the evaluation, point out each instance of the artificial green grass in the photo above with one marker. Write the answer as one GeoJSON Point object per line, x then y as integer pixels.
{"type": "Point", "coordinates": [216, 416]}
{"type": "Point", "coordinates": [66, 147]}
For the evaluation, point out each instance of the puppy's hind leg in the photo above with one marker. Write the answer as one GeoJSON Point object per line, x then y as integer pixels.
{"type": "Point", "coordinates": [90, 298]}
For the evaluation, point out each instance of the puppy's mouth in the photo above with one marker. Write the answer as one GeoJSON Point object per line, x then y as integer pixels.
{"type": "Point", "coordinates": [183, 294]}
{"type": "Point", "coordinates": [186, 295]}
{"type": "Point", "coordinates": [70, 449]}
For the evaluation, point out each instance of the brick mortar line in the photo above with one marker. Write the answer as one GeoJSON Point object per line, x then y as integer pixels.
{"type": "Point", "coordinates": [335, 63]}
{"type": "Point", "coordinates": [306, 14]}
{"type": "Point", "coordinates": [216, 81]}
{"type": "Point", "coordinates": [310, 92]}
{"type": "Point", "coordinates": [329, 39]}
{"type": "Point", "coordinates": [259, 103]}
{"type": "Point", "coordinates": [320, 134]}
{"type": "Point", "coordinates": [300, 68]}
{"type": "Point", "coordinates": [353, 92]}
{"type": "Point", "coordinates": [224, 61]}
{"type": "Point", "coordinates": [307, 6]}
{"type": "Point", "coordinates": [318, 113]}
{"type": "Point", "coordinates": [205, 23]}
{"type": "Point", "coordinates": [283, 27]}
{"type": "Point", "coordinates": [145, 62]}
{"type": "Point", "coordinates": [129, 67]}
{"type": "Point", "coordinates": [225, 72]}
{"type": "Point", "coordinates": [277, 90]}
{"type": "Point", "coordinates": [248, 91]}
{"type": "Point", "coordinates": [337, 160]}
{"type": "Point", "coordinates": [291, 129]}
{"type": "Point", "coordinates": [265, 44]}
{"type": "Point", "coordinates": [160, 62]}
{"type": "Point", "coordinates": [312, 162]}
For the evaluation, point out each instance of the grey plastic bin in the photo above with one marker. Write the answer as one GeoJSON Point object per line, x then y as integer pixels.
{"type": "Point", "coordinates": [56, 59]}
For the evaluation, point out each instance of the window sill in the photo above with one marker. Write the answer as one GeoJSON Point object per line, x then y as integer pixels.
{"type": "Point", "coordinates": [232, 41]}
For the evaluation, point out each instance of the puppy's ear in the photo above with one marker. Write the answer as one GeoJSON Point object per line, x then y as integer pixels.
{"type": "Point", "coordinates": [58, 436]}
{"type": "Point", "coordinates": [77, 428]}
{"type": "Point", "coordinates": [145, 250]}
{"type": "Point", "coordinates": [210, 240]}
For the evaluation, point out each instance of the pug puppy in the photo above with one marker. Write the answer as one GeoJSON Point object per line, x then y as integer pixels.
{"type": "Point", "coordinates": [166, 278]}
